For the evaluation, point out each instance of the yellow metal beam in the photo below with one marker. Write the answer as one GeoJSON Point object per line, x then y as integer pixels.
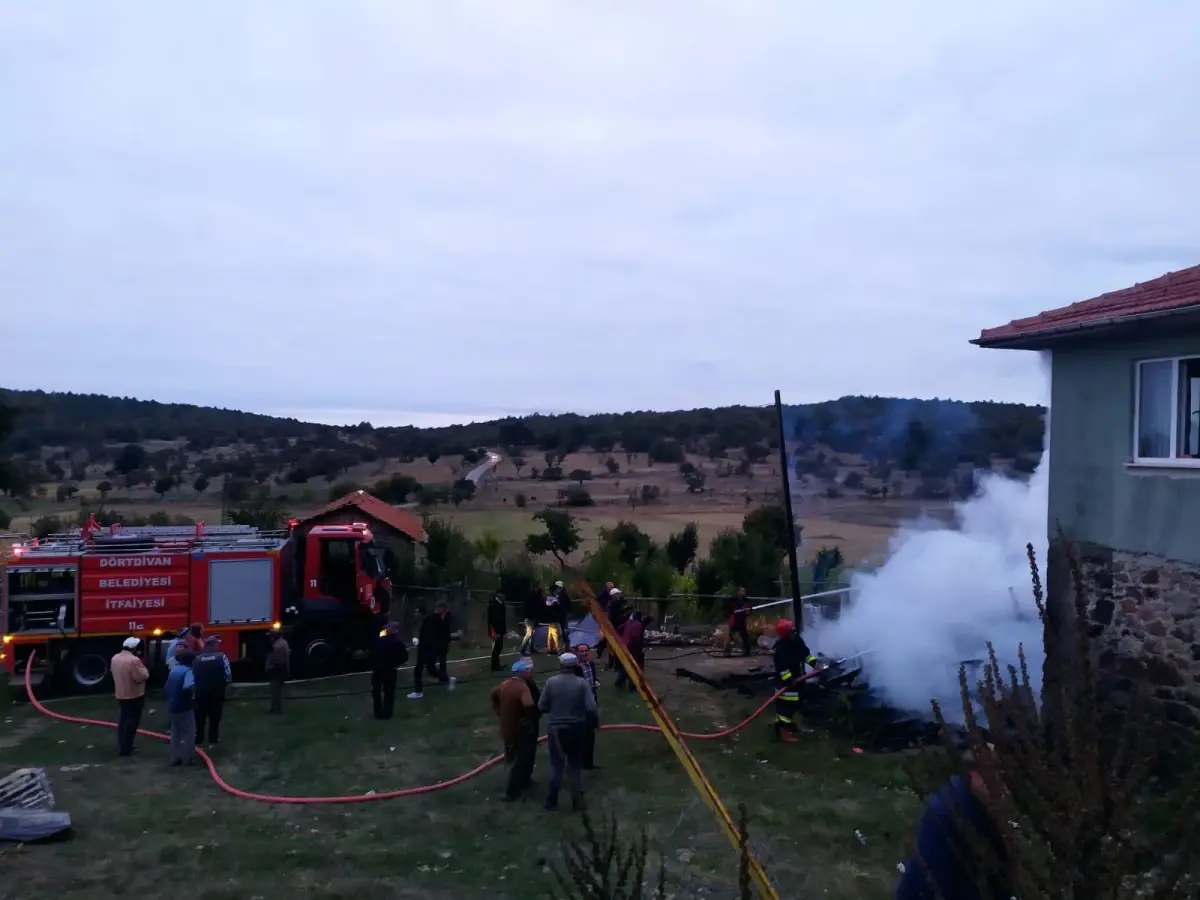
{"type": "Point", "coordinates": [766, 891]}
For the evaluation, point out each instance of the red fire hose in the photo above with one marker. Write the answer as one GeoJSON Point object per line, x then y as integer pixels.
{"type": "Point", "coordinates": [367, 798]}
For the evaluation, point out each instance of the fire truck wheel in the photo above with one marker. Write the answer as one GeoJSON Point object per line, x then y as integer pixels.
{"type": "Point", "coordinates": [87, 667]}
{"type": "Point", "coordinates": [321, 655]}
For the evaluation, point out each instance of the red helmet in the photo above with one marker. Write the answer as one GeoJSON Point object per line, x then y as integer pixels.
{"type": "Point", "coordinates": [784, 627]}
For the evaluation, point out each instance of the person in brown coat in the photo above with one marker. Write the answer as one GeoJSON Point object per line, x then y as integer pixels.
{"type": "Point", "coordinates": [129, 675]}
{"type": "Point", "coordinates": [279, 664]}
{"type": "Point", "coordinates": [515, 704]}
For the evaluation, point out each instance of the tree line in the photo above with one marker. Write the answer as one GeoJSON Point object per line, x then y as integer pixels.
{"type": "Point", "coordinates": [56, 437]}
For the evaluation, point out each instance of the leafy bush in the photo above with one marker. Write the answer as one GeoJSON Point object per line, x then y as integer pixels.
{"type": "Point", "coordinates": [1070, 785]}
{"type": "Point", "coordinates": [576, 496]}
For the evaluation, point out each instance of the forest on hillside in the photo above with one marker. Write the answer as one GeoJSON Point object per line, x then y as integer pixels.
{"type": "Point", "coordinates": [56, 439]}
{"type": "Point", "coordinates": [846, 425]}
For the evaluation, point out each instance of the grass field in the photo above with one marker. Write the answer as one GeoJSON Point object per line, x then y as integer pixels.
{"type": "Point", "coordinates": [143, 829]}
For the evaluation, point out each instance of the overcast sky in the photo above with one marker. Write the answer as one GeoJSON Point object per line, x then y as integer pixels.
{"type": "Point", "coordinates": [429, 210]}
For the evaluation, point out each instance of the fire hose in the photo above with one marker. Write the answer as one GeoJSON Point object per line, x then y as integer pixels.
{"type": "Point", "coordinates": [381, 795]}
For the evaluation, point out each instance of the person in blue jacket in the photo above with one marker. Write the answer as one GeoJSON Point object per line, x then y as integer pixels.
{"type": "Point", "coordinates": [180, 691]}
{"type": "Point", "coordinates": [949, 855]}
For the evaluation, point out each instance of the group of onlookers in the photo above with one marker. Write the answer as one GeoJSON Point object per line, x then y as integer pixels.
{"type": "Point", "coordinates": [198, 674]}
{"type": "Point", "coordinates": [569, 702]}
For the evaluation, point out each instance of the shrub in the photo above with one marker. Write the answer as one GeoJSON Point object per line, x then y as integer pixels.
{"type": "Point", "coordinates": [1071, 785]}
{"type": "Point", "coordinates": [576, 496]}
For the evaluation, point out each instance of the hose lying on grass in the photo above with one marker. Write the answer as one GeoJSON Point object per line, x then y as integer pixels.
{"type": "Point", "coordinates": [382, 795]}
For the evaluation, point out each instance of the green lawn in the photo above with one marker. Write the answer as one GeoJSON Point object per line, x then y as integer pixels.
{"type": "Point", "coordinates": [145, 830]}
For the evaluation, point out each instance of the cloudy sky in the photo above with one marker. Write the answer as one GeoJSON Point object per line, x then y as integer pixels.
{"type": "Point", "coordinates": [428, 210]}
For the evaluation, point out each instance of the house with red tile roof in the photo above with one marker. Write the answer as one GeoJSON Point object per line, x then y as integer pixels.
{"type": "Point", "coordinates": [1124, 469]}
{"type": "Point", "coordinates": [386, 521]}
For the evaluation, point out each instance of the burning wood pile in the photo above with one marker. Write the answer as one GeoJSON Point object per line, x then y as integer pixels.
{"type": "Point", "coordinates": [838, 700]}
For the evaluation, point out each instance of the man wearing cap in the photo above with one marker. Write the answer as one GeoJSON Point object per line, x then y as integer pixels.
{"type": "Point", "coordinates": [129, 686]}
{"type": "Point", "coordinates": [212, 674]}
{"type": "Point", "coordinates": [515, 705]}
{"type": "Point", "coordinates": [568, 705]}
{"type": "Point", "coordinates": [387, 655]}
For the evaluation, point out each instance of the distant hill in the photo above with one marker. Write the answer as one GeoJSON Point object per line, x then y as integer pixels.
{"type": "Point", "coordinates": [911, 432]}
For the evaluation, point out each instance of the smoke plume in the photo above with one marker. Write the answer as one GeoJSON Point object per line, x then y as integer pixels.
{"type": "Point", "coordinates": [943, 593]}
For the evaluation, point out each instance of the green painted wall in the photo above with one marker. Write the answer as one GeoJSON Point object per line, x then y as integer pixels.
{"type": "Point", "coordinates": [1093, 493]}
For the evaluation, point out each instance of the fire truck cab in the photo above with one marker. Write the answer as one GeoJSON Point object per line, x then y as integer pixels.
{"type": "Point", "coordinates": [75, 597]}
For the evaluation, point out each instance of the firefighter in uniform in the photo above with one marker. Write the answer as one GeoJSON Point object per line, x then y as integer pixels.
{"type": "Point", "coordinates": [791, 656]}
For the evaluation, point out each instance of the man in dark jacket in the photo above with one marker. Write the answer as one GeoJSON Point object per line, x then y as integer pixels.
{"type": "Point", "coordinates": [180, 694]}
{"type": "Point", "coordinates": [279, 669]}
{"type": "Point", "coordinates": [212, 673]}
{"type": "Point", "coordinates": [739, 611]}
{"type": "Point", "coordinates": [791, 656]}
{"type": "Point", "coordinates": [497, 620]}
{"type": "Point", "coordinates": [633, 636]}
{"type": "Point", "coordinates": [387, 655]}
{"type": "Point", "coordinates": [555, 616]}
{"type": "Point", "coordinates": [959, 846]}
{"type": "Point", "coordinates": [586, 670]}
{"type": "Point", "coordinates": [535, 603]}
{"type": "Point", "coordinates": [618, 613]}
{"type": "Point", "coordinates": [433, 647]}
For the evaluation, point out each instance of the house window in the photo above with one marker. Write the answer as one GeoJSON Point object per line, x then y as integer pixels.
{"type": "Point", "coordinates": [1167, 410]}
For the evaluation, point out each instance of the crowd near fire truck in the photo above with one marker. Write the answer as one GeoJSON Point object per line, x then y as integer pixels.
{"type": "Point", "coordinates": [75, 597]}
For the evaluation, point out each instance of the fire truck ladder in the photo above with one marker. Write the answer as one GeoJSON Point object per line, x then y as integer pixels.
{"type": "Point", "coordinates": [175, 538]}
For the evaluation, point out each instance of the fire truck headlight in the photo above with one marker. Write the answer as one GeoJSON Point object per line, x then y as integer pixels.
{"type": "Point", "coordinates": [157, 632]}
{"type": "Point", "coordinates": [7, 639]}
{"type": "Point", "coordinates": [275, 626]}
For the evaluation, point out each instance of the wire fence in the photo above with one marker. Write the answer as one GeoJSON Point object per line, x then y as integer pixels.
{"type": "Point", "coordinates": [675, 611]}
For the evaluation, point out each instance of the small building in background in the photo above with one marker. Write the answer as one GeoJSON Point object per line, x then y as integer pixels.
{"type": "Point", "coordinates": [399, 531]}
{"type": "Point", "coordinates": [1124, 477]}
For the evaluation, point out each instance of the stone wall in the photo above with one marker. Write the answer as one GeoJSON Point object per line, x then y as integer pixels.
{"type": "Point", "coordinates": [1146, 612]}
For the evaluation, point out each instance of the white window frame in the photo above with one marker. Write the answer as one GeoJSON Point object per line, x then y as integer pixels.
{"type": "Point", "coordinates": [1174, 460]}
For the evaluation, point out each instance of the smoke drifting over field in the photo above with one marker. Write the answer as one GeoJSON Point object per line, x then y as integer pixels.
{"type": "Point", "coordinates": [944, 592]}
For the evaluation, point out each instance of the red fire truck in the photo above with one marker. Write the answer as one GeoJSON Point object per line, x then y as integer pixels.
{"type": "Point", "coordinates": [75, 597]}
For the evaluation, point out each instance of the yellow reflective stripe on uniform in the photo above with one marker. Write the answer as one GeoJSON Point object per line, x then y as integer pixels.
{"type": "Point", "coordinates": [784, 719]}
{"type": "Point", "coordinates": [811, 660]}
{"type": "Point", "coordinates": [786, 675]}
{"type": "Point", "coordinates": [790, 695]}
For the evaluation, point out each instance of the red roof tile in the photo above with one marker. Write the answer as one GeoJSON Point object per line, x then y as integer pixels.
{"type": "Point", "coordinates": [1170, 292]}
{"type": "Point", "coordinates": [372, 507]}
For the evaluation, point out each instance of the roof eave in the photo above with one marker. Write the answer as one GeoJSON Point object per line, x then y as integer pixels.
{"type": "Point", "coordinates": [1048, 338]}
